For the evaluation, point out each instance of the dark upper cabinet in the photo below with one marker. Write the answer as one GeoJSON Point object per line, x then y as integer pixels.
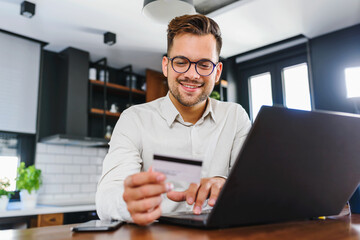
{"type": "Point", "coordinates": [64, 95]}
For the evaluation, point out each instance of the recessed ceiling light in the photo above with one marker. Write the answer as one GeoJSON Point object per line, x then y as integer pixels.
{"type": "Point", "coordinates": [27, 9]}
{"type": "Point", "coordinates": [109, 38]}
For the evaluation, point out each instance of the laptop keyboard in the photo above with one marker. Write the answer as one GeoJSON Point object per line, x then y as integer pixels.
{"type": "Point", "coordinates": [189, 215]}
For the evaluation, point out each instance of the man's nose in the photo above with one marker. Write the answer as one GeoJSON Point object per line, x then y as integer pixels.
{"type": "Point", "coordinates": [192, 73]}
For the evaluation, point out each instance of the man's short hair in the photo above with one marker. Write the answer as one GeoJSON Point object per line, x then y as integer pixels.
{"type": "Point", "coordinates": [197, 24]}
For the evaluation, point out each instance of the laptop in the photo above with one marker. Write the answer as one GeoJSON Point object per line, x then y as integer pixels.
{"type": "Point", "coordinates": [293, 165]}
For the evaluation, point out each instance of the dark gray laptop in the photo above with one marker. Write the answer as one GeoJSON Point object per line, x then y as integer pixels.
{"type": "Point", "coordinates": [293, 165]}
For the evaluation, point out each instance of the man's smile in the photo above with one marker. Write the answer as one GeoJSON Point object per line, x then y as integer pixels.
{"type": "Point", "coordinates": [190, 84]}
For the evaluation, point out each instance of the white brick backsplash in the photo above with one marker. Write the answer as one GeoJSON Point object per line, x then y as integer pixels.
{"type": "Point", "coordinates": [81, 196]}
{"type": "Point", "coordinates": [63, 159]}
{"type": "Point", "coordinates": [80, 179]}
{"type": "Point", "coordinates": [81, 160]}
{"type": "Point", "coordinates": [41, 148]}
{"type": "Point", "coordinates": [62, 196]}
{"type": "Point", "coordinates": [89, 151]}
{"type": "Point", "coordinates": [53, 188]}
{"type": "Point", "coordinates": [73, 150]}
{"type": "Point", "coordinates": [69, 172]}
{"type": "Point", "coordinates": [45, 197]}
{"type": "Point", "coordinates": [54, 168]}
{"type": "Point", "coordinates": [72, 169]}
{"type": "Point", "coordinates": [41, 190]}
{"type": "Point", "coordinates": [88, 187]}
{"type": "Point", "coordinates": [48, 178]}
{"type": "Point", "coordinates": [88, 169]}
{"type": "Point", "coordinates": [71, 188]}
{"type": "Point", "coordinates": [96, 160]}
{"type": "Point", "coordinates": [94, 178]}
{"type": "Point", "coordinates": [63, 178]}
{"type": "Point", "coordinates": [45, 158]}
{"type": "Point", "coordinates": [102, 152]}
{"type": "Point", "coordinates": [42, 167]}
{"type": "Point", "coordinates": [92, 196]}
{"type": "Point", "coordinates": [55, 149]}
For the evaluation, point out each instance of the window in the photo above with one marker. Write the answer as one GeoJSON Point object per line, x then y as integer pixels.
{"type": "Point", "coordinates": [296, 87]}
{"type": "Point", "coordinates": [352, 79]}
{"type": "Point", "coordinates": [9, 160]}
{"type": "Point", "coordinates": [287, 64]}
{"type": "Point", "coordinates": [260, 93]}
{"type": "Point", "coordinates": [8, 170]}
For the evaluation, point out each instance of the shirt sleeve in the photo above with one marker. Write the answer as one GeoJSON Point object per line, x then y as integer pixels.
{"type": "Point", "coordinates": [242, 131]}
{"type": "Point", "coordinates": [122, 160]}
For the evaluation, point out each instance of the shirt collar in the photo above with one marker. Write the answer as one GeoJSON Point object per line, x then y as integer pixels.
{"type": "Point", "coordinates": [209, 111]}
{"type": "Point", "coordinates": [168, 110]}
{"type": "Point", "coordinates": [170, 113]}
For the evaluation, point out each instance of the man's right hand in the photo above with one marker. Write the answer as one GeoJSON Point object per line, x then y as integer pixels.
{"type": "Point", "coordinates": [142, 194]}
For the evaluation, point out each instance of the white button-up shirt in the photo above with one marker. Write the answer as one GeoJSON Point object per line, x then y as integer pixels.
{"type": "Point", "coordinates": [158, 128]}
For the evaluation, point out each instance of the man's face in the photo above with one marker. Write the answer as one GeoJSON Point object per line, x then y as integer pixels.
{"type": "Point", "coordinates": [190, 88]}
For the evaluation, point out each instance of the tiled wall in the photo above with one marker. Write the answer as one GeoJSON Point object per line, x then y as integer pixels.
{"type": "Point", "coordinates": [70, 173]}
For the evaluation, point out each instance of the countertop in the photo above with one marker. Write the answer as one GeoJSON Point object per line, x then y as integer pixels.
{"type": "Point", "coordinates": [14, 209]}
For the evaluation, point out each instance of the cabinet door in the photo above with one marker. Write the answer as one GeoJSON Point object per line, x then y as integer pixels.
{"type": "Point", "coordinates": [156, 85]}
{"type": "Point", "coordinates": [50, 219]}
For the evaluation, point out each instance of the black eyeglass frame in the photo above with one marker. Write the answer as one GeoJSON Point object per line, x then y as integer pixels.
{"type": "Point", "coordinates": [172, 65]}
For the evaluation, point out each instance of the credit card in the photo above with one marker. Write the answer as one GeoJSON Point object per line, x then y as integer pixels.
{"type": "Point", "coordinates": [178, 169]}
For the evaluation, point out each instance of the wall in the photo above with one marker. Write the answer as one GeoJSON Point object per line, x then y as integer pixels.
{"type": "Point", "coordinates": [70, 173]}
{"type": "Point", "coordinates": [330, 55]}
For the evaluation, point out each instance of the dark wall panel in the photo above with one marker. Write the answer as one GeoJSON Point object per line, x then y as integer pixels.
{"type": "Point", "coordinates": [330, 55]}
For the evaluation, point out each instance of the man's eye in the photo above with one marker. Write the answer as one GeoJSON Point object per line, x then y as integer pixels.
{"type": "Point", "coordinates": [204, 64]}
{"type": "Point", "coordinates": [180, 63]}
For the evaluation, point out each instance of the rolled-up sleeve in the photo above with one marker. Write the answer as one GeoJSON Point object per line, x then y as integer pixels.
{"type": "Point", "coordinates": [122, 160]}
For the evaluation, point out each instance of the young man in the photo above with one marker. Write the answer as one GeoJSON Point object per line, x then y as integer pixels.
{"type": "Point", "coordinates": [185, 123]}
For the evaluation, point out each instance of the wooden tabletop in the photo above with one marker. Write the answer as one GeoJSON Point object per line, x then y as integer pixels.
{"type": "Point", "coordinates": [341, 227]}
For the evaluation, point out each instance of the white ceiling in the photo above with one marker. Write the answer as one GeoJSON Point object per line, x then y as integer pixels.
{"type": "Point", "coordinates": [245, 25]}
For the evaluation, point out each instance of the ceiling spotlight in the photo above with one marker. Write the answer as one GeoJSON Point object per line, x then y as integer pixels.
{"type": "Point", "coordinates": [109, 38]}
{"type": "Point", "coordinates": [27, 9]}
{"type": "Point", "coordinates": [163, 11]}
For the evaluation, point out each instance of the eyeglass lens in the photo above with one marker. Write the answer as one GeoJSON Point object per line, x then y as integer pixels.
{"type": "Point", "coordinates": [203, 67]}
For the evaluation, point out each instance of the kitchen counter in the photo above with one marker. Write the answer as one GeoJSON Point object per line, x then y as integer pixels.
{"type": "Point", "coordinates": [14, 209]}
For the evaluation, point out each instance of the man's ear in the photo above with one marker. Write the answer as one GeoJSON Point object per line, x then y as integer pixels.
{"type": "Point", "coordinates": [165, 64]}
{"type": "Point", "coordinates": [218, 72]}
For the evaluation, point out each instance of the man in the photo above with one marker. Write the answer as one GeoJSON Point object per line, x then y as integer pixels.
{"type": "Point", "coordinates": [185, 123]}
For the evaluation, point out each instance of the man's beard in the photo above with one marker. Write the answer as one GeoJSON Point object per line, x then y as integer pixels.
{"type": "Point", "coordinates": [188, 101]}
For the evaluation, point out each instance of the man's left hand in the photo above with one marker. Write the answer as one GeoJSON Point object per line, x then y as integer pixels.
{"type": "Point", "coordinates": [198, 193]}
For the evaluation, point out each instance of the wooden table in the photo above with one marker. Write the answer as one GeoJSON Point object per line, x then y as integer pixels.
{"type": "Point", "coordinates": [344, 227]}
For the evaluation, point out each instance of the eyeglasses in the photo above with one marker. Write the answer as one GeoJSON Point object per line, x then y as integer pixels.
{"type": "Point", "coordinates": [203, 67]}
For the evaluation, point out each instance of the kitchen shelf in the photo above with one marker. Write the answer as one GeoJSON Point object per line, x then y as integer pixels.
{"type": "Point", "coordinates": [101, 112]}
{"type": "Point", "coordinates": [117, 87]}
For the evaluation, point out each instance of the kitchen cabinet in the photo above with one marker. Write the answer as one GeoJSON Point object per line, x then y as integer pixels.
{"type": "Point", "coordinates": [44, 220]}
{"type": "Point", "coordinates": [156, 85]}
{"type": "Point", "coordinates": [63, 98]}
{"type": "Point", "coordinates": [43, 216]}
{"type": "Point", "coordinates": [110, 93]}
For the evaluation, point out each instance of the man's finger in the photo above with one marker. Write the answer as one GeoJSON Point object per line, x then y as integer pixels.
{"type": "Point", "coordinates": [214, 193]}
{"type": "Point", "coordinates": [202, 195]}
{"type": "Point", "coordinates": [146, 191]}
{"type": "Point", "coordinates": [144, 205]}
{"type": "Point", "coordinates": [142, 178]}
{"type": "Point", "coordinates": [148, 217]}
{"type": "Point", "coordinates": [177, 196]}
{"type": "Point", "coordinates": [191, 193]}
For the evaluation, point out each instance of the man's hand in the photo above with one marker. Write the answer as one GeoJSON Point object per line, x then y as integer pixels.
{"type": "Point", "coordinates": [198, 193]}
{"type": "Point", "coordinates": [142, 194]}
